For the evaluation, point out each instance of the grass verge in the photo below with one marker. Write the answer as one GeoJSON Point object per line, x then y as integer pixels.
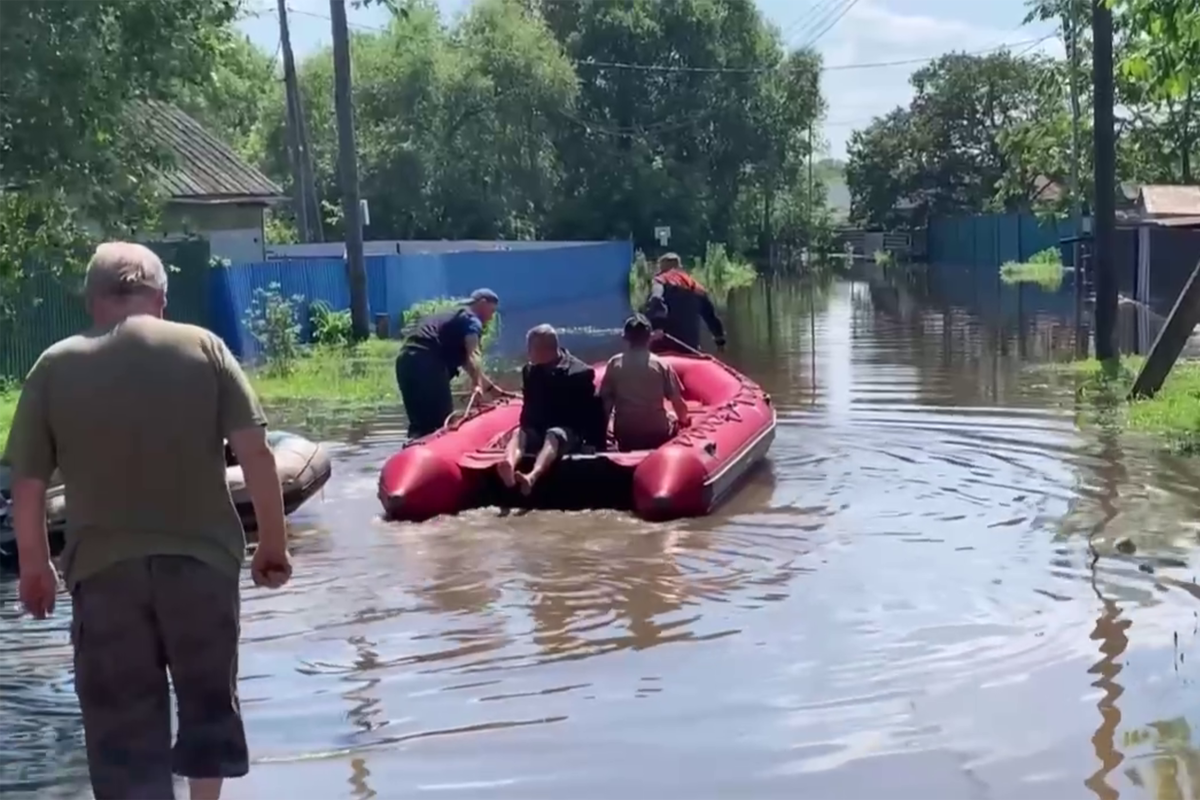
{"type": "Point", "coordinates": [361, 376]}
{"type": "Point", "coordinates": [1173, 415]}
{"type": "Point", "coordinates": [1044, 269]}
{"type": "Point", "coordinates": [9, 392]}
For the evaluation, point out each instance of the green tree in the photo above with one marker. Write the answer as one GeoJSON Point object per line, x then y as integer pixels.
{"type": "Point", "coordinates": [233, 102]}
{"type": "Point", "coordinates": [681, 137]}
{"type": "Point", "coordinates": [454, 125]}
{"type": "Point", "coordinates": [883, 167]}
{"type": "Point", "coordinates": [72, 157]}
{"type": "Point", "coordinates": [944, 154]}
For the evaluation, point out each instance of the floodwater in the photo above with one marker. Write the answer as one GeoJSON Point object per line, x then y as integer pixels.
{"type": "Point", "coordinates": [917, 597]}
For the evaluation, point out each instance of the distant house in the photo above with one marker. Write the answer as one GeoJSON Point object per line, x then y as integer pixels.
{"type": "Point", "coordinates": [1167, 202]}
{"type": "Point", "coordinates": [211, 193]}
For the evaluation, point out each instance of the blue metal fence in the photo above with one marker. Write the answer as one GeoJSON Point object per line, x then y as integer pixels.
{"type": "Point", "coordinates": [989, 240]}
{"type": "Point", "coordinates": [549, 282]}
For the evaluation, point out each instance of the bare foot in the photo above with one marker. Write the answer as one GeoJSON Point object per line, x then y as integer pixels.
{"type": "Point", "coordinates": [526, 482]}
{"type": "Point", "coordinates": [506, 472]}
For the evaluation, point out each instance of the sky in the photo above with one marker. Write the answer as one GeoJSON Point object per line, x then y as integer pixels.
{"type": "Point", "coordinates": [870, 32]}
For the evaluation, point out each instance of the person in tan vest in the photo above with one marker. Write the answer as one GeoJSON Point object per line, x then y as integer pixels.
{"type": "Point", "coordinates": [635, 389]}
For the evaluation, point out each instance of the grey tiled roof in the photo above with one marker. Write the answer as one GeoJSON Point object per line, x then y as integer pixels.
{"type": "Point", "coordinates": [205, 169]}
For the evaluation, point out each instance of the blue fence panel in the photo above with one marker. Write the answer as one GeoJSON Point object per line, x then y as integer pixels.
{"type": "Point", "coordinates": [986, 241]}
{"type": "Point", "coordinates": [531, 279]}
{"type": "Point", "coordinates": [233, 292]}
{"type": "Point", "coordinates": [1008, 240]}
{"type": "Point", "coordinates": [577, 285]}
{"type": "Point", "coordinates": [412, 279]}
{"type": "Point", "coordinates": [377, 267]}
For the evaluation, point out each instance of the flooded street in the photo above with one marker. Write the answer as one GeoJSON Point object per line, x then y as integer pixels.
{"type": "Point", "coordinates": [902, 604]}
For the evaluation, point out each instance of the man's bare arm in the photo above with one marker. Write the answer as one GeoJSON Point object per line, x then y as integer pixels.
{"type": "Point", "coordinates": [245, 428]}
{"type": "Point", "coordinates": [32, 453]}
{"type": "Point", "coordinates": [262, 482]}
{"type": "Point", "coordinates": [675, 395]}
{"type": "Point", "coordinates": [474, 365]}
{"type": "Point", "coordinates": [29, 519]}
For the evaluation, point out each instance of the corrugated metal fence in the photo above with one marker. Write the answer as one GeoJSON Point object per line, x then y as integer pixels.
{"type": "Point", "coordinates": [989, 240]}
{"type": "Point", "coordinates": [559, 285]}
{"type": "Point", "coordinates": [50, 308]}
{"type": "Point", "coordinates": [545, 281]}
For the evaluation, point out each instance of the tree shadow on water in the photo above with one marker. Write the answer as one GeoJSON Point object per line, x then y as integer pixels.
{"type": "Point", "coordinates": [1170, 767]}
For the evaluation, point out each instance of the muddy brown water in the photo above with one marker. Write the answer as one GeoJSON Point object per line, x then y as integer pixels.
{"type": "Point", "coordinates": [902, 604]}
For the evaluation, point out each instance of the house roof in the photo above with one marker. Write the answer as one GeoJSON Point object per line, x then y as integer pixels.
{"type": "Point", "coordinates": [1170, 201]}
{"type": "Point", "coordinates": [206, 170]}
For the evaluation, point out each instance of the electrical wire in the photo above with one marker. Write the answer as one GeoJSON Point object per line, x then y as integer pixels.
{"type": "Point", "coordinates": [622, 65]}
{"type": "Point", "coordinates": [846, 7]}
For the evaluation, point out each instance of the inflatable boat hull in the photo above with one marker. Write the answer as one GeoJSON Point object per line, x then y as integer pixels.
{"type": "Point", "coordinates": [304, 468]}
{"type": "Point", "coordinates": [733, 426]}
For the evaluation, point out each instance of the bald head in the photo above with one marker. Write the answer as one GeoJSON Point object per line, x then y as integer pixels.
{"type": "Point", "coordinates": [122, 279]}
{"type": "Point", "coordinates": [542, 344]}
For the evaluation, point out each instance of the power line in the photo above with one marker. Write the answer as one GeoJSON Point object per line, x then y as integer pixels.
{"type": "Point", "coordinates": [813, 13]}
{"type": "Point", "coordinates": [622, 65]}
{"type": "Point", "coordinates": [836, 19]}
{"type": "Point", "coordinates": [830, 68]}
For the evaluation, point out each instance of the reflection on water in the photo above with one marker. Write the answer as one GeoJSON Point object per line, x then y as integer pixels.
{"type": "Point", "coordinates": [918, 597]}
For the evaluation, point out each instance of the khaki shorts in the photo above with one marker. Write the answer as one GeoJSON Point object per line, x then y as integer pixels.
{"type": "Point", "coordinates": [132, 623]}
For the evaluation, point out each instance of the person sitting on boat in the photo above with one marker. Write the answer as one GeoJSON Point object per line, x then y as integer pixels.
{"type": "Point", "coordinates": [678, 303]}
{"type": "Point", "coordinates": [559, 410]}
{"type": "Point", "coordinates": [636, 386]}
{"type": "Point", "coordinates": [438, 347]}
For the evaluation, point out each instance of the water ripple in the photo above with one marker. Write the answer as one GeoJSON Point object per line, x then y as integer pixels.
{"type": "Point", "coordinates": [920, 595]}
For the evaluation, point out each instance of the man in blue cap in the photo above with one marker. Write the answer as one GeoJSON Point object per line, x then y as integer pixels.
{"type": "Point", "coordinates": [438, 347]}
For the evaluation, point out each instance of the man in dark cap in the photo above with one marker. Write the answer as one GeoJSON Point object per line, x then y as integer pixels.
{"type": "Point", "coordinates": [678, 303]}
{"type": "Point", "coordinates": [437, 348]}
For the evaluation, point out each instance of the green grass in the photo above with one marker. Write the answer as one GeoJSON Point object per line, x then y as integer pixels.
{"type": "Point", "coordinates": [718, 272]}
{"type": "Point", "coordinates": [360, 376]}
{"type": "Point", "coordinates": [9, 392]}
{"type": "Point", "coordinates": [1172, 415]}
{"type": "Point", "coordinates": [323, 382]}
{"type": "Point", "coordinates": [1044, 269]}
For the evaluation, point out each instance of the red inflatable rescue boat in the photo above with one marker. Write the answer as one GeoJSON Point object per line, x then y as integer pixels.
{"type": "Point", "coordinates": [732, 427]}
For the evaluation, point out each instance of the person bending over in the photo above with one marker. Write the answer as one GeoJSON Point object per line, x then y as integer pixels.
{"type": "Point", "coordinates": [440, 345]}
{"type": "Point", "coordinates": [678, 303]}
{"type": "Point", "coordinates": [559, 394]}
{"type": "Point", "coordinates": [636, 387]}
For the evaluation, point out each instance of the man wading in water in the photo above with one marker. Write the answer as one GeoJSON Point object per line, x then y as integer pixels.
{"type": "Point", "coordinates": [134, 413]}
{"type": "Point", "coordinates": [439, 346]}
{"type": "Point", "coordinates": [678, 303]}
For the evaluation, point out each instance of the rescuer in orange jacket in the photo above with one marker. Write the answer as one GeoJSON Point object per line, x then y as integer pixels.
{"type": "Point", "coordinates": [678, 303]}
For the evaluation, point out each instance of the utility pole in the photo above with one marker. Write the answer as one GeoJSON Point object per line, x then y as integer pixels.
{"type": "Point", "coordinates": [1071, 30]}
{"type": "Point", "coordinates": [300, 197]}
{"type": "Point", "coordinates": [356, 270]}
{"type": "Point", "coordinates": [1105, 163]}
{"type": "Point", "coordinates": [315, 223]}
{"type": "Point", "coordinates": [811, 212]}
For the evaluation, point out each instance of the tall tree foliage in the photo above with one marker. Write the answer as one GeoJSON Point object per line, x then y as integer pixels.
{"type": "Point", "coordinates": [522, 118]}
{"type": "Point", "coordinates": [72, 160]}
{"type": "Point", "coordinates": [572, 119]}
{"type": "Point", "coordinates": [943, 154]}
{"type": "Point", "coordinates": [995, 132]}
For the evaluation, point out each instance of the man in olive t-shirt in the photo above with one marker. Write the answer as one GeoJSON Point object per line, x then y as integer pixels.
{"type": "Point", "coordinates": [134, 414]}
{"type": "Point", "coordinates": [635, 388]}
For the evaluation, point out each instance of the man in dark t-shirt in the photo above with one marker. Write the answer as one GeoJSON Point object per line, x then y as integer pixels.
{"type": "Point", "coordinates": [560, 410]}
{"type": "Point", "coordinates": [439, 346]}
